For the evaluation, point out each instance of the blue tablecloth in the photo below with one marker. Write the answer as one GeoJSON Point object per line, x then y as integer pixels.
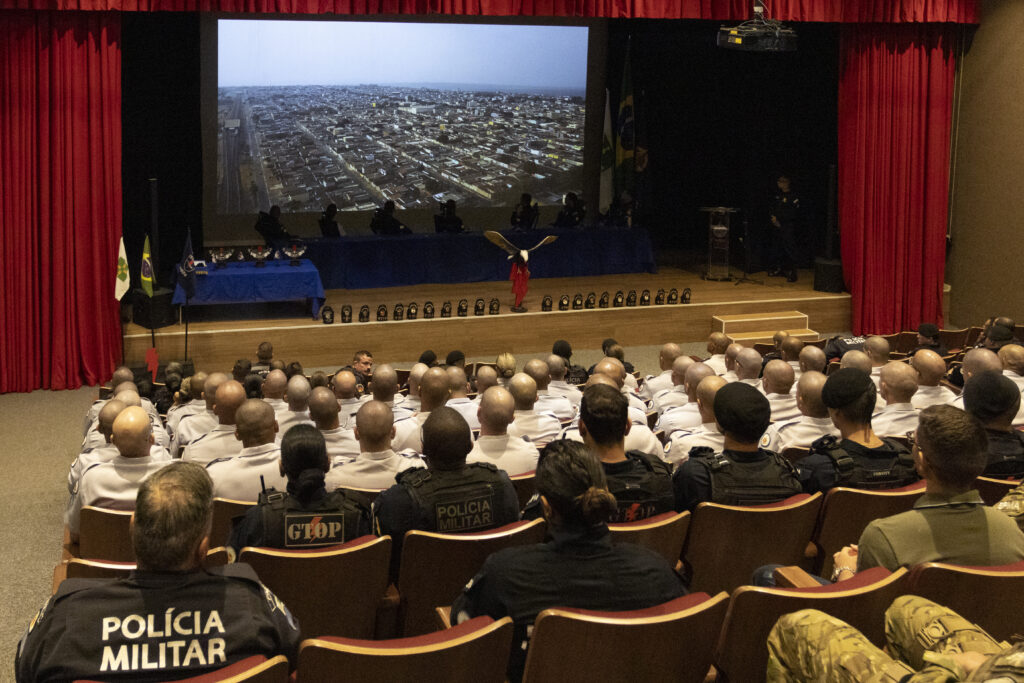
{"type": "Point", "coordinates": [243, 282]}
{"type": "Point", "coordinates": [361, 262]}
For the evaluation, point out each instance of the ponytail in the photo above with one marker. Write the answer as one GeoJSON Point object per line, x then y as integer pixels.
{"type": "Point", "coordinates": [596, 505]}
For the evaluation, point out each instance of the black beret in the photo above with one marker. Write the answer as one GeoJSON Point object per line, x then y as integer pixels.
{"type": "Point", "coordinates": [428, 357]}
{"type": "Point", "coordinates": [562, 348]}
{"type": "Point", "coordinates": [989, 395]}
{"type": "Point", "coordinates": [998, 333]}
{"type": "Point", "coordinates": [742, 411]}
{"type": "Point", "coordinates": [454, 357]}
{"type": "Point", "coordinates": [844, 386]}
{"type": "Point", "coordinates": [928, 330]}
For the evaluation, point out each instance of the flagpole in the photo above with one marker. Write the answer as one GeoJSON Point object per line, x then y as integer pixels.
{"type": "Point", "coordinates": [187, 299]}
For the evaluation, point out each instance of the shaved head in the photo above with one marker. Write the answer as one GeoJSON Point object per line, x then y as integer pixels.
{"type": "Point", "coordinates": [779, 337]}
{"type": "Point", "coordinates": [255, 423]}
{"type": "Point", "coordinates": [457, 381]}
{"type": "Point", "coordinates": [930, 367]}
{"type": "Point", "coordinates": [778, 376]}
{"type": "Point", "coordinates": [375, 427]}
{"type": "Point", "coordinates": [344, 385]}
{"type": "Point", "coordinates": [129, 398]}
{"type": "Point", "coordinates": [748, 364]}
{"type": "Point", "coordinates": [486, 377]}
{"type": "Point", "coordinates": [121, 375]}
{"type": "Point", "coordinates": [597, 379]}
{"type": "Point", "coordinates": [611, 367]}
{"type": "Point", "coordinates": [297, 394]}
{"type": "Point", "coordinates": [717, 342]}
{"type": "Point", "coordinates": [132, 433]}
{"type": "Point", "coordinates": [213, 382]}
{"type": "Point", "coordinates": [877, 349]}
{"type": "Point", "coordinates": [110, 410]}
{"type": "Point", "coordinates": [435, 388]}
{"type": "Point", "coordinates": [497, 408]}
{"type": "Point", "coordinates": [228, 399]}
{"type": "Point", "coordinates": [126, 386]}
{"type": "Point", "coordinates": [808, 394]}
{"type": "Point", "coordinates": [324, 408]}
{"type": "Point", "coordinates": [197, 384]}
{"type": "Point", "coordinates": [731, 351]}
{"type": "Point", "coordinates": [669, 352]}
{"type": "Point", "coordinates": [812, 359]}
{"type": "Point", "coordinates": [898, 382]}
{"type": "Point", "coordinates": [384, 384]}
{"type": "Point", "coordinates": [523, 390]}
{"type": "Point", "coordinates": [980, 360]}
{"type": "Point", "coordinates": [706, 391]}
{"type": "Point", "coordinates": [679, 367]}
{"type": "Point", "coordinates": [556, 368]}
{"type": "Point", "coordinates": [538, 371]}
{"type": "Point", "coordinates": [415, 375]}
{"type": "Point", "coordinates": [694, 375]}
{"type": "Point", "coordinates": [275, 384]}
{"type": "Point", "coordinates": [1012, 358]}
{"type": "Point", "coordinates": [858, 360]}
{"type": "Point", "coordinates": [791, 348]}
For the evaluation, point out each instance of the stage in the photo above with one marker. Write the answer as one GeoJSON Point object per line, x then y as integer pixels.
{"type": "Point", "coordinates": [223, 337]}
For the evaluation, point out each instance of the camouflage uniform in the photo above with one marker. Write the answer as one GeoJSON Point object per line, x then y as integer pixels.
{"type": "Point", "coordinates": [812, 646]}
{"type": "Point", "coordinates": [1013, 505]}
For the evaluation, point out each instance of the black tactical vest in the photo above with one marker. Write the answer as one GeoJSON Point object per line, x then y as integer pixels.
{"type": "Point", "coordinates": [454, 501]}
{"type": "Point", "coordinates": [337, 518]}
{"type": "Point", "coordinates": [748, 483]}
{"type": "Point", "coordinates": [643, 492]}
{"type": "Point", "coordinates": [861, 473]}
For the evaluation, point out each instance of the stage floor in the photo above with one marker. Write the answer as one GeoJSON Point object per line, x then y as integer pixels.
{"type": "Point", "coordinates": [221, 335]}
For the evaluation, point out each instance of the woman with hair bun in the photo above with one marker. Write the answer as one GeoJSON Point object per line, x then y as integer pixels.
{"type": "Point", "coordinates": [579, 567]}
{"type": "Point", "coordinates": [506, 363]}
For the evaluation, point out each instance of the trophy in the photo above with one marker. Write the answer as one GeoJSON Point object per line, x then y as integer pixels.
{"type": "Point", "coordinates": [260, 254]}
{"type": "Point", "coordinates": [221, 255]}
{"type": "Point", "coordinates": [294, 251]}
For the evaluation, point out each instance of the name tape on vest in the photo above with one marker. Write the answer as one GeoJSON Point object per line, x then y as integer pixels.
{"type": "Point", "coordinates": [311, 531]}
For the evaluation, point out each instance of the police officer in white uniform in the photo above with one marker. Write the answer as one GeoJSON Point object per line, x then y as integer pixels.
{"type": "Point", "coordinates": [435, 388]}
{"type": "Point", "coordinates": [748, 368]}
{"type": "Point", "coordinates": [412, 398]}
{"type": "Point", "coordinates": [192, 386]}
{"type": "Point", "coordinates": [297, 412]}
{"type": "Point", "coordinates": [547, 401]}
{"type": "Point", "coordinates": [115, 483]}
{"type": "Point", "coordinates": [813, 422]}
{"type": "Point", "coordinates": [687, 415]}
{"type": "Point", "coordinates": [539, 427]}
{"type": "Point", "coordinates": [325, 412]}
{"type": "Point", "coordinates": [877, 349]}
{"type": "Point", "coordinates": [677, 450]}
{"type": "Point", "coordinates": [930, 371]}
{"type": "Point", "coordinates": [384, 388]}
{"type": "Point", "coordinates": [494, 445]}
{"type": "Point", "coordinates": [717, 344]}
{"type": "Point", "coordinates": [977, 361]}
{"type": "Point", "coordinates": [1012, 358]}
{"type": "Point", "coordinates": [777, 382]}
{"type": "Point", "coordinates": [790, 349]}
{"type": "Point", "coordinates": [458, 399]}
{"type": "Point", "coordinates": [219, 442]}
{"type": "Point", "coordinates": [346, 391]}
{"type": "Point", "coordinates": [675, 396]}
{"type": "Point", "coordinates": [638, 438]}
{"type": "Point", "coordinates": [898, 385]}
{"type": "Point", "coordinates": [196, 425]}
{"type": "Point", "coordinates": [244, 476]}
{"type": "Point", "coordinates": [376, 464]}
{"type": "Point", "coordinates": [662, 381]}
{"type": "Point", "coordinates": [731, 351]}
{"type": "Point", "coordinates": [558, 385]}
{"type": "Point", "coordinates": [274, 387]}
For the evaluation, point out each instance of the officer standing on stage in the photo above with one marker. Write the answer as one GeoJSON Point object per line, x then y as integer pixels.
{"type": "Point", "coordinates": [784, 216]}
{"type": "Point", "coordinates": [306, 515]}
{"type": "Point", "coordinates": [449, 496]}
{"type": "Point", "coordinates": [170, 618]}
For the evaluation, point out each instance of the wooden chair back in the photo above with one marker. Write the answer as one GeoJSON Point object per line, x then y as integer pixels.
{"type": "Point", "coordinates": [956, 339]}
{"type": "Point", "coordinates": [332, 591]}
{"type": "Point", "coordinates": [672, 642]}
{"type": "Point", "coordinates": [973, 334]}
{"type": "Point", "coordinates": [104, 535]}
{"type": "Point", "coordinates": [475, 651]}
{"type": "Point", "coordinates": [403, 376]}
{"type": "Point", "coordinates": [846, 512]}
{"type": "Point", "coordinates": [255, 669]}
{"type": "Point", "coordinates": [831, 367]}
{"type": "Point", "coordinates": [664, 534]}
{"type": "Point", "coordinates": [225, 511]}
{"type": "Point", "coordinates": [993, 490]}
{"type": "Point", "coordinates": [727, 543]}
{"type": "Point", "coordinates": [422, 586]}
{"type": "Point", "coordinates": [906, 342]}
{"type": "Point", "coordinates": [987, 596]}
{"type": "Point", "coordinates": [80, 568]}
{"type": "Point", "coordinates": [741, 655]}
{"type": "Point", "coordinates": [525, 485]}
{"type": "Point", "coordinates": [369, 494]}
{"type": "Point", "coordinates": [763, 348]}
{"type": "Point", "coordinates": [795, 453]}
{"type": "Point", "coordinates": [820, 343]}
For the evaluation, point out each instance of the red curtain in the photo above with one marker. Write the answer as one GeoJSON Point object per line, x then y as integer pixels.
{"type": "Point", "coordinates": [60, 189]}
{"type": "Point", "coordinates": [955, 11]}
{"type": "Point", "coordinates": [895, 112]}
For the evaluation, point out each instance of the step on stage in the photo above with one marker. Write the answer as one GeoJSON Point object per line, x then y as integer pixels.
{"type": "Point", "coordinates": [223, 336]}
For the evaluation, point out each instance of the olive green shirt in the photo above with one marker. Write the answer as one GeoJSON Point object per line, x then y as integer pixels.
{"type": "Point", "coordinates": [959, 530]}
{"type": "Point", "coordinates": [1013, 505]}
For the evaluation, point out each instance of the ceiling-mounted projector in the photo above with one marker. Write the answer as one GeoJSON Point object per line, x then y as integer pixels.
{"type": "Point", "coordinates": [759, 34]}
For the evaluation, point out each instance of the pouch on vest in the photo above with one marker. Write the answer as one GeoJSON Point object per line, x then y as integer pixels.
{"type": "Point", "coordinates": [644, 496]}
{"type": "Point", "coordinates": [466, 501]}
{"type": "Point", "coordinates": [732, 483]}
{"type": "Point", "coordinates": [850, 471]}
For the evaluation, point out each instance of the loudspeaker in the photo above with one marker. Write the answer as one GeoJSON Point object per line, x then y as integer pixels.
{"type": "Point", "coordinates": [155, 312]}
{"type": "Point", "coordinates": [828, 275]}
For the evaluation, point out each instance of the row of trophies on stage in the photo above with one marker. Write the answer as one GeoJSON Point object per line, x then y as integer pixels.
{"type": "Point", "coordinates": [411, 312]}
{"type": "Point", "coordinates": [258, 254]}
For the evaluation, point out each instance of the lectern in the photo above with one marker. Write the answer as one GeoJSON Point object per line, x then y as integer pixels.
{"type": "Point", "coordinates": [718, 241]}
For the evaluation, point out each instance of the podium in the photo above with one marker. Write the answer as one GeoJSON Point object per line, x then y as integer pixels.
{"type": "Point", "coordinates": [718, 241]}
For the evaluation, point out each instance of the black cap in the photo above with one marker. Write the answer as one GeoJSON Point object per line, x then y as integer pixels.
{"type": "Point", "coordinates": [742, 411]}
{"type": "Point", "coordinates": [989, 395]}
{"type": "Point", "coordinates": [562, 348]}
{"type": "Point", "coordinates": [844, 386]}
{"type": "Point", "coordinates": [454, 357]}
{"type": "Point", "coordinates": [999, 334]}
{"type": "Point", "coordinates": [928, 330]}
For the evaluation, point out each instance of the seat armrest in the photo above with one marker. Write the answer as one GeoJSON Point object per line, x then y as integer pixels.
{"type": "Point", "coordinates": [794, 577]}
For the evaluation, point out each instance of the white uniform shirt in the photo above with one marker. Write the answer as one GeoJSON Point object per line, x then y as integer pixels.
{"type": "Point", "coordinates": [515, 456]}
{"type": "Point", "coordinates": [467, 409]}
{"type": "Point", "coordinates": [730, 376]}
{"type": "Point", "coordinates": [238, 478]}
{"type": "Point", "coordinates": [640, 438]}
{"type": "Point", "coordinates": [677, 450]}
{"type": "Point", "coordinates": [176, 413]}
{"type": "Point", "coordinates": [104, 453]}
{"type": "Point", "coordinates": [192, 427]}
{"type": "Point", "coordinates": [349, 408]}
{"type": "Point", "coordinates": [629, 382]}
{"type": "Point", "coordinates": [408, 434]}
{"type": "Point", "coordinates": [655, 384]}
{"type": "Point", "coordinates": [795, 364]}
{"type": "Point", "coordinates": [95, 439]}
{"type": "Point", "coordinates": [556, 404]}
{"type": "Point", "coordinates": [113, 484]}
{"type": "Point", "coordinates": [370, 471]}
{"type": "Point", "coordinates": [539, 428]}
{"type": "Point", "coordinates": [895, 419]}
{"type": "Point", "coordinates": [634, 401]}
{"type": "Point", "coordinates": [717, 363]}
{"type": "Point", "coordinates": [783, 407]}
{"type": "Point", "coordinates": [411, 403]}
{"type": "Point", "coordinates": [1015, 378]}
{"type": "Point", "coordinates": [930, 396]}
{"type": "Point", "coordinates": [756, 383]}
{"type": "Point", "coordinates": [876, 377]}
{"type": "Point", "coordinates": [568, 390]}
{"type": "Point", "coordinates": [92, 416]}
{"type": "Point", "coordinates": [220, 442]}
{"type": "Point", "coordinates": [799, 432]}
{"type": "Point", "coordinates": [278, 404]}
{"type": "Point", "coordinates": [286, 419]}
{"type": "Point", "coordinates": [341, 443]}
{"type": "Point", "coordinates": [682, 417]}
{"type": "Point", "coordinates": [670, 398]}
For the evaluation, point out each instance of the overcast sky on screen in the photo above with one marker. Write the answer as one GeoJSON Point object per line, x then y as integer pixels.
{"type": "Point", "coordinates": [253, 52]}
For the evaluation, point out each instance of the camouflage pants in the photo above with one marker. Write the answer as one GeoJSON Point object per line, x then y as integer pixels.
{"type": "Point", "coordinates": [812, 646]}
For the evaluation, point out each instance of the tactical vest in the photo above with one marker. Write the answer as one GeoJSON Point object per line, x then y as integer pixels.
{"type": "Point", "coordinates": [335, 519]}
{"type": "Point", "coordinates": [1000, 465]}
{"type": "Point", "coordinates": [851, 471]}
{"type": "Point", "coordinates": [454, 501]}
{"type": "Point", "coordinates": [643, 493]}
{"type": "Point", "coordinates": [748, 483]}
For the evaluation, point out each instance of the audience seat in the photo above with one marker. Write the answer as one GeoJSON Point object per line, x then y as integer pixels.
{"type": "Point", "coordinates": [369, 494]}
{"type": "Point", "coordinates": [525, 485]}
{"type": "Point", "coordinates": [727, 543]}
{"type": "Point", "coordinates": [104, 535]}
{"type": "Point", "coordinates": [741, 656]}
{"type": "Point", "coordinates": [955, 340]}
{"type": "Point", "coordinates": [664, 534]}
{"type": "Point", "coordinates": [992, 490]}
{"type": "Point", "coordinates": [83, 568]}
{"type": "Point", "coordinates": [255, 669]}
{"type": "Point", "coordinates": [763, 349]}
{"type": "Point", "coordinates": [332, 591]}
{"type": "Point", "coordinates": [973, 334]}
{"type": "Point", "coordinates": [906, 342]}
{"type": "Point", "coordinates": [422, 585]}
{"type": "Point", "coordinates": [225, 511]}
{"type": "Point", "coordinates": [475, 651]}
{"type": "Point", "coordinates": [987, 596]}
{"type": "Point", "coordinates": [672, 642]}
{"type": "Point", "coordinates": [846, 512]}
{"type": "Point", "coordinates": [819, 343]}
{"type": "Point", "coordinates": [831, 367]}
{"type": "Point", "coordinates": [794, 453]}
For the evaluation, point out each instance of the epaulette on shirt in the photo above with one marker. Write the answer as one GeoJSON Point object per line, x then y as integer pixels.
{"type": "Point", "coordinates": [217, 460]}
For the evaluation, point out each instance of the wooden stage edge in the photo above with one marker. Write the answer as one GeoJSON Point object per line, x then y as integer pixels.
{"type": "Point", "coordinates": [219, 344]}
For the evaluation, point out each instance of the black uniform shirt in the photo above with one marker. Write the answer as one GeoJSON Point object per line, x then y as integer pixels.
{"type": "Point", "coordinates": [579, 568]}
{"type": "Point", "coordinates": [153, 626]}
{"type": "Point", "coordinates": [692, 481]}
{"type": "Point", "coordinates": [1005, 453]}
{"type": "Point", "coordinates": [818, 472]}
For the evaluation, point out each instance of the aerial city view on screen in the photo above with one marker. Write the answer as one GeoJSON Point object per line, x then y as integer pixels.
{"type": "Point", "coordinates": [356, 113]}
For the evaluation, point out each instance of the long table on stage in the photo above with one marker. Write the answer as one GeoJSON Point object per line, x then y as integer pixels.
{"type": "Point", "coordinates": [244, 282]}
{"type": "Point", "coordinates": [362, 262]}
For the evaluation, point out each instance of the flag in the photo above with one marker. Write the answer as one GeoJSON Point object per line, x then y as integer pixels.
{"type": "Point", "coordinates": [187, 269]}
{"type": "Point", "coordinates": [624, 140]}
{"type": "Point", "coordinates": [146, 271]}
{"type": "Point", "coordinates": [607, 157]}
{"type": "Point", "coordinates": [121, 279]}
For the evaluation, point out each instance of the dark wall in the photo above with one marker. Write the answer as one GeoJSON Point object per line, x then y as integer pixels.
{"type": "Point", "coordinates": [161, 136]}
